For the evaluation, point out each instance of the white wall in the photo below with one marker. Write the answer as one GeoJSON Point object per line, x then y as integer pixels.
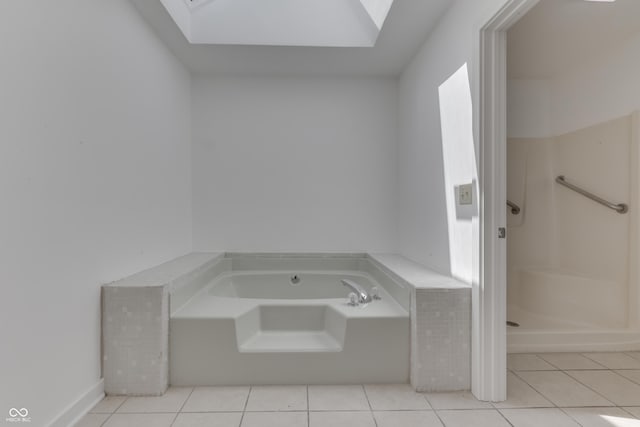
{"type": "Point", "coordinates": [432, 229]}
{"type": "Point", "coordinates": [288, 164]}
{"type": "Point", "coordinates": [95, 184]}
{"type": "Point", "coordinates": [601, 90]}
{"type": "Point", "coordinates": [529, 108]}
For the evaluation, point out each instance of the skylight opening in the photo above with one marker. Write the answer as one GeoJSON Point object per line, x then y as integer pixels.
{"type": "Point", "coordinates": [330, 23]}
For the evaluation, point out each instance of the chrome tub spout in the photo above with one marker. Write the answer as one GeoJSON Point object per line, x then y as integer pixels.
{"type": "Point", "coordinates": [363, 296]}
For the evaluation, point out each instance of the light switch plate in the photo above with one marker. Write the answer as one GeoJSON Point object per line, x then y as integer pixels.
{"type": "Point", "coordinates": [465, 194]}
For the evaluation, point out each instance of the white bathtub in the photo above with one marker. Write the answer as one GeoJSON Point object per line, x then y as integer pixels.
{"type": "Point", "coordinates": [562, 311]}
{"type": "Point", "coordinates": [278, 285]}
{"type": "Point", "coordinates": [252, 324]}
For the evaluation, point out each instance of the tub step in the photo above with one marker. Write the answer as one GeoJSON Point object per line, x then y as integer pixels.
{"type": "Point", "coordinates": [290, 342]}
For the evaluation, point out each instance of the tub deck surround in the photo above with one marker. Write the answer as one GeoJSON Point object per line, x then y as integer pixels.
{"type": "Point", "coordinates": [226, 330]}
{"type": "Point", "coordinates": [440, 325]}
{"type": "Point", "coordinates": [135, 324]}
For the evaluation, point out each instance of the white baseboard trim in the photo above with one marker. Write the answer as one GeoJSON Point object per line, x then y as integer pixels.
{"type": "Point", "coordinates": [78, 409]}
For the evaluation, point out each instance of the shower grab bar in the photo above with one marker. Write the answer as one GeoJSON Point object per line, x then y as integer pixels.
{"type": "Point", "coordinates": [621, 208]}
{"type": "Point", "coordinates": [515, 209]}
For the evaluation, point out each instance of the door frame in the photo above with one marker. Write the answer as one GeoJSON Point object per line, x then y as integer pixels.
{"type": "Point", "coordinates": [489, 346]}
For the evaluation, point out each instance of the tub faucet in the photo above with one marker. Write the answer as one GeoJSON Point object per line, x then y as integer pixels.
{"type": "Point", "coordinates": [363, 296]}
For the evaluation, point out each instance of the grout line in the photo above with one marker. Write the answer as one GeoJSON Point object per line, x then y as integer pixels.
{"type": "Point", "coordinates": [122, 403]}
{"type": "Point", "coordinates": [189, 412]}
{"type": "Point", "coordinates": [106, 419]}
{"type": "Point", "coordinates": [592, 389]}
{"type": "Point", "coordinates": [536, 390]}
{"type": "Point", "coordinates": [593, 360]}
{"type": "Point", "coordinates": [182, 406]}
{"type": "Point", "coordinates": [175, 417]}
{"type": "Point", "coordinates": [615, 371]}
{"type": "Point", "coordinates": [628, 412]}
{"type": "Point", "coordinates": [580, 355]}
{"type": "Point", "coordinates": [364, 390]}
{"type": "Point", "coordinates": [246, 402]}
{"type": "Point", "coordinates": [555, 366]}
{"type": "Point", "coordinates": [308, 408]}
{"type": "Point", "coordinates": [505, 418]}
{"type": "Point", "coordinates": [342, 410]}
{"type": "Point", "coordinates": [563, 410]}
{"type": "Point", "coordinates": [438, 417]}
{"type": "Point", "coordinates": [424, 396]}
{"type": "Point", "coordinates": [632, 354]}
{"type": "Point", "coordinates": [114, 411]}
{"type": "Point", "coordinates": [186, 400]}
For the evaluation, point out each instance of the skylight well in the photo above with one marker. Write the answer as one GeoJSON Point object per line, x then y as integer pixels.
{"type": "Point", "coordinates": [331, 23]}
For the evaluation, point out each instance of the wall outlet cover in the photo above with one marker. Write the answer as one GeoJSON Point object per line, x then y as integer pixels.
{"type": "Point", "coordinates": [465, 194]}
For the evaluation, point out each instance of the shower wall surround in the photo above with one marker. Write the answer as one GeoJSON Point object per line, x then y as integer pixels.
{"type": "Point", "coordinates": [562, 231]}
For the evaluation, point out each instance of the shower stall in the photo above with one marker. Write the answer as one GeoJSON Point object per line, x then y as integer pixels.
{"type": "Point", "coordinates": [573, 232]}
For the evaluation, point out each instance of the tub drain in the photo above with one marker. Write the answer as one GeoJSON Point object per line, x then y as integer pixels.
{"type": "Point", "coordinates": [513, 324]}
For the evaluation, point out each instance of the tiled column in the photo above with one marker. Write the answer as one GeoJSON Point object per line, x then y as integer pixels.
{"type": "Point", "coordinates": [441, 339]}
{"type": "Point", "coordinates": [135, 324]}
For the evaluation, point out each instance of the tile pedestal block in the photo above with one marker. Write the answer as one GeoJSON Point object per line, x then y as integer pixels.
{"type": "Point", "coordinates": [135, 341]}
{"type": "Point", "coordinates": [441, 339]}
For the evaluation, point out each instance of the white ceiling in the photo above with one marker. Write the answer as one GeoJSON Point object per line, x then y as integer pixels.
{"type": "Point", "coordinates": [559, 35]}
{"type": "Point", "coordinates": [405, 29]}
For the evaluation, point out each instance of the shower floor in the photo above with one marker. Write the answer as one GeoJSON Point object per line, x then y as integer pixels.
{"type": "Point", "coordinates": [528, 320]}
{"type": "Point", "coordinates": [546, 334]}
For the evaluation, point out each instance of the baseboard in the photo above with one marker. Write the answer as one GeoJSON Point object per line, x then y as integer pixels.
{"type": "Point", "coordinates": [72, 413]}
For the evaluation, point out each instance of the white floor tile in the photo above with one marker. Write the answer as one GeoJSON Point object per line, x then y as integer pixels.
{"type": "Point", "coordinates": [456, 400]}
{"type": "Point", "coordinates": [395, 396]}
{"type": "Point", "coordinates": [208, 419]}
{"type": "Point", "coordinates": [171, 401]}
{"type": "Point", "coordinates": [635, 411]}
{"type": "Point", "coordinates": [407, 419]}
{"type": "Point", "coordinates": [274, 419]}
{"type": "Point", "coordinates": [140, 420]}
{"type": "Point", "coordinates": [475, 418]}
{"type": "Point", "coordinates": [341, 419]}
{"type": "Point", "coordinates": [522, 395]}
{"type": "Point", "coordinates": [547, 417]}
{"type": "Point", "coordinates": [632, 374]}
{"type": "Point", "coordinates": [573, 361]}
{"type": "Point", "coordinates": [615, 360]}
{"type": "Point", "coordinates": [337, 397]}
{"type": "Point", "coordinates": [602, 417]}
{"type": "Point", "coordinates": [217, 399]}
{"type": "Point", "coordinates": [528, 362]}
{"type": "Point", "coordinates": [108, 405]}
{"type": "Point", "coordinates": [277, 398]}
{"type": "Point", "coordinates": [92, 420]}
{"type": "Point", "coordinates": [612, 386]}
{"type": "Point", "coordinates": [563, 390]}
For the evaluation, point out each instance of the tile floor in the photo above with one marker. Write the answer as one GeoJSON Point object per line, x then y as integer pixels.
{"type": "Point", "coordinates": [545, 390]}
